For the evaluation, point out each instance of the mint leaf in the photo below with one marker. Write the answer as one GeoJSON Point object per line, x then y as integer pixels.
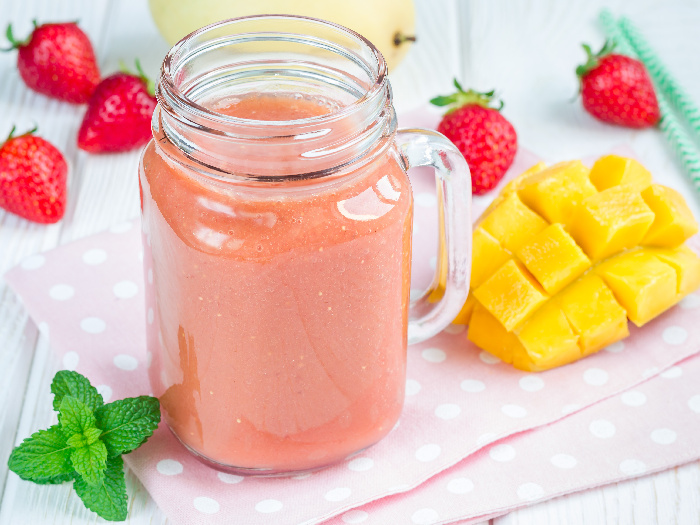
{"type": "Point", "coordinates": [90, 462]}
{"type": "Point", "coordinates": [88, 437]}
{"type": "Point", "coordinates": [74, 416]}
{"type": "Point", "coordinates": [44, 457]}
{"type": "Point", "coordinates": [127, 423]}
{"type": "Point", "coordinates": [108, 499]}
{"type": "Point", "coordinates": [69, 383]}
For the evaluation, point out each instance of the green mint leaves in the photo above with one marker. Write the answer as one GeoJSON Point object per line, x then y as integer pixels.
{"type": "Point", "coordinates": [87, 443]}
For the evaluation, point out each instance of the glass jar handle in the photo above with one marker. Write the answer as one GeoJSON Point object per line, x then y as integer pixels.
{"type": "Point", "coordinates": [433, 311]}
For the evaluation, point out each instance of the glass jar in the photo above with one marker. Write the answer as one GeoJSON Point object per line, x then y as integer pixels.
{"type": "Point", "coordinates": [277, 220]}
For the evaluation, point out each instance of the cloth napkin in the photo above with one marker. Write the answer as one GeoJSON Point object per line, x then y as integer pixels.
{"type": "Point", "coordinates": [477, 438]}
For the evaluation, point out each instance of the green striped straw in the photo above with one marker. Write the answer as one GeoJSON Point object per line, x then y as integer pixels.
{"type": "Point", "coordinates": [673, 130]}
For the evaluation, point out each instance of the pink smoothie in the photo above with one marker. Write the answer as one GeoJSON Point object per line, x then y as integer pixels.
{"type": "Point", "coordinates": [278, 336]}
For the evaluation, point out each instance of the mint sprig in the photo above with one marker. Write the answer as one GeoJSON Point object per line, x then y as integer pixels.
{"type": "Point", "coordinates": [87, 443]}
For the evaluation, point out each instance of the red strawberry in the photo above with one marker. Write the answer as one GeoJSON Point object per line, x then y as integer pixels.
{"type": "Point", "coordinates": [57, 60]}
{"type": "Point", "coordinates": [485, 138]}
{"type": "Point", "coordinates": [617, 89]}
{"type": "Point", "coordinates": [118, 117]}
{"type": "Point", "coordinates": [33, 176]}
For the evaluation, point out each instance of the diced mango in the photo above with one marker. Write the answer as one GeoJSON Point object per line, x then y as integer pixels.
{"type": "Point", "coordinates": [548, 339]}
{"type": "Point", "coordinates": [613, 170]}
{"type": "Point", "coordinates": [465, 314]}
{"type": "Point", "coordinates": [611, 221]}
{"type": "Point", "coordinates": [687, 265]}
{"type": "Point", "coordinates": [491, 256]}
{"type": "Point", "coordinates": [554, 258]}
{"type": "Point", "coordinates": [555, 192]}
{"type": "Point", "coordinates": [512, 223]}
{"type": "Point", "coordinates": [511, 187]}
{"type": "Point", "coordinates": [643, 284]}
{"type": "Point", "coordinates": [511, 294]}
{"type": "Point", "coordinates": [488, 334]}
{"type": "Point", "coordinates": [673, 220]}
{"type": "Point", "coordinates": [594, 314]}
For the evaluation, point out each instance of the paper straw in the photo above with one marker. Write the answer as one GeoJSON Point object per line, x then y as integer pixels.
{"type": "Point", "coordinates": [673, 130]}
{"type": "Point", "coordinates": [668, 84]}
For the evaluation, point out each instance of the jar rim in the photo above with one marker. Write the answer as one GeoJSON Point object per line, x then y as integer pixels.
{"type": "Point", "coordinates": [170, 95]}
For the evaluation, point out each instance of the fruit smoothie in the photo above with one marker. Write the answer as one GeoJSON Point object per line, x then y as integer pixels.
{"type": "Point", "coordinates": [277, 312]}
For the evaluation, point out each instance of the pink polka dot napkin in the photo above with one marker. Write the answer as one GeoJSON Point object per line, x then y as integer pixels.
{"type": "Point", "coordinates": [477, 438]}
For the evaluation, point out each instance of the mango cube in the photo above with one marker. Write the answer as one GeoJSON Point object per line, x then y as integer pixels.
{"type": "Point", "coordinates": [613, 170]}
{"type": "Point", "coordinates": [594, 314]}
{"type": "Point", "coordinates": [686, 263]}
{"type": "Point", "coordinates": [643, 284]}
{"type": "Point", "coordinates": [554, 258]}
{"type": "Point", "coordinates": [673, 220]}
{"type": "Point", "coordinates": [548, 339]}
{"type": "Point", "coordinates": [555, 192]}
{"type": "Point", "coordinates": [465, 314]}
{"type": "Point", "coordinates": [511, 294]}
{"type": "Point", "coordinates": [486, 332]}
{"type": "Point", "coordinates": [491, 256]}
{"type": "Point", "coordinates": [611, 221]}
{"type": "Point", "coordinates": [512, 223]}
{"type": "Point", "coordinates": [511, 187]}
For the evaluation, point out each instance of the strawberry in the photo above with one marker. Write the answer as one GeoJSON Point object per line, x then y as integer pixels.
{"type": "Point", "coordinates": [118, 117]}
{"type": "Point", "coordinates": [57, 60]}
{"type": "Point", "coordinates": [485, 138]}
{"type": "Point", "coordinates": [33, 176]}
{"type": "Point", "coordinates": [617, 89]}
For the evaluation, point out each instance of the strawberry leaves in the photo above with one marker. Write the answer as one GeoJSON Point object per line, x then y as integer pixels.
{"type": "Point", "coordinates": [464, 98]}
{"type": "Point", "coordinates": [87, 444]}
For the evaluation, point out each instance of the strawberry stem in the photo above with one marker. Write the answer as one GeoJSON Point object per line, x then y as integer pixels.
{"type": "Point", "coordinates": [463, 98]}
{"type": "Point", "coordinates": [14, 127]}
{"type": "Point", "coordinates": [150, 85]}
{"type": "Point", "coordinates": [13, 40]}
{"type": "Point", "coordinates": [592, 59]}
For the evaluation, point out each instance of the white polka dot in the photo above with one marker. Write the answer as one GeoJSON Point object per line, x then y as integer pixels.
{"type": "Point", "coordinates": [121, 227]}
{"type": "Point", "coordinates": [531, 383]}
{"type": "Point", "coordinates": [472, 385]}
{"type": "Point", "coordinates": [690, 302]}
{"type": "Point", "coordinates": [231, 479]}
{"type": "Point", "coordinates": [502, 453]}
{"type": "Point", "coordinates": [206, 505]}
{"type": "Point", "coordinates": [361, 464]}
{"type": "Point", "coordinates": [434, 355]}
{"type": "Point", "coordinates": [354, 516]}
{"type": "Point", "coordinates": [338, 494]}
{"type": "Point", "coordinates": [428, 452]}
{"type": "Point", "coordinates": [169, 467]}
{"type": "Point", "coordinates": [694, 403]}
{"type": "Point", "coordinates": [454, 329]}
{"type": "Point", "coordinates": [447, 411]}
{"type": "Point", "coordinates": [595, 377]}
{"type": "Point", "coordinates": [460, 486]}
{"type": "Point", "coordinates": [425, 199]}
{"type": "Point", "coordinates": [485, 439]}
{"type": "Point", "coordinates": [126, 362]}
{"type": "Point", "coordinates": [70, 360]}
{"type": "Point", "coordinates": [633, 398]}
{"type": "Point", "coordinates": [602, 428]}
{"type": "Point", "coordinates": [125, 289]}
{"type": "Point", "coordinates": [33, 262]}
{"type": "Point", "coordinates": [61, 292]}
{"type": "Point", "coordinates": [570, 409]}
{"type": "Point", "coordinates": [615, 348]}
{"type": "Point", "coordinates": [672, 373]}
{"type": "Point", "coordinates": [425, 517]}
{"type": "Point", "coordinates": [105, 391]}
{"type": "Point", "coordinates": [489, 359]}
{"type": "Point", "coordinates": [268, 506]}
{"type": "Point", "coordinates": [149, 276]}
{"type": "Point", "coordinates": [632, 467]}
{"type": "Point", "coordinates": [663, 436]}
{"type": "Point", "coordinates": [563, 461]}
{"type": "Point", "coordinates": [150, 315]}
{"type": "Point", "coordinates": [675, 335]}
{"type": "Point", "coordinates": [530, 491]}
{"type": "Point", "coordinates": [650, 372]}
{"type": "Point", "coordinates": [93, 325]}
{"type": "Point", "coordinates": [515, 411]}
{"type": "Point", "coordinates": [412, 387]}
{"type": "Point", "coordinates": [94, 256]}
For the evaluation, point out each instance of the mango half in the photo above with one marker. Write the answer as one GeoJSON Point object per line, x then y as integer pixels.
{"type": "Point", "coordinates": [565, 256]}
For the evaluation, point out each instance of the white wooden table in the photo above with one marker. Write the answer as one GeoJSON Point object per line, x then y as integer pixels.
{"type": "Point", "coordinates": [528, 49]}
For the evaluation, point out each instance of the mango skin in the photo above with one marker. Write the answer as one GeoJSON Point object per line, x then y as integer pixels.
{"type": "Point", "coordinates": [535, 312]}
